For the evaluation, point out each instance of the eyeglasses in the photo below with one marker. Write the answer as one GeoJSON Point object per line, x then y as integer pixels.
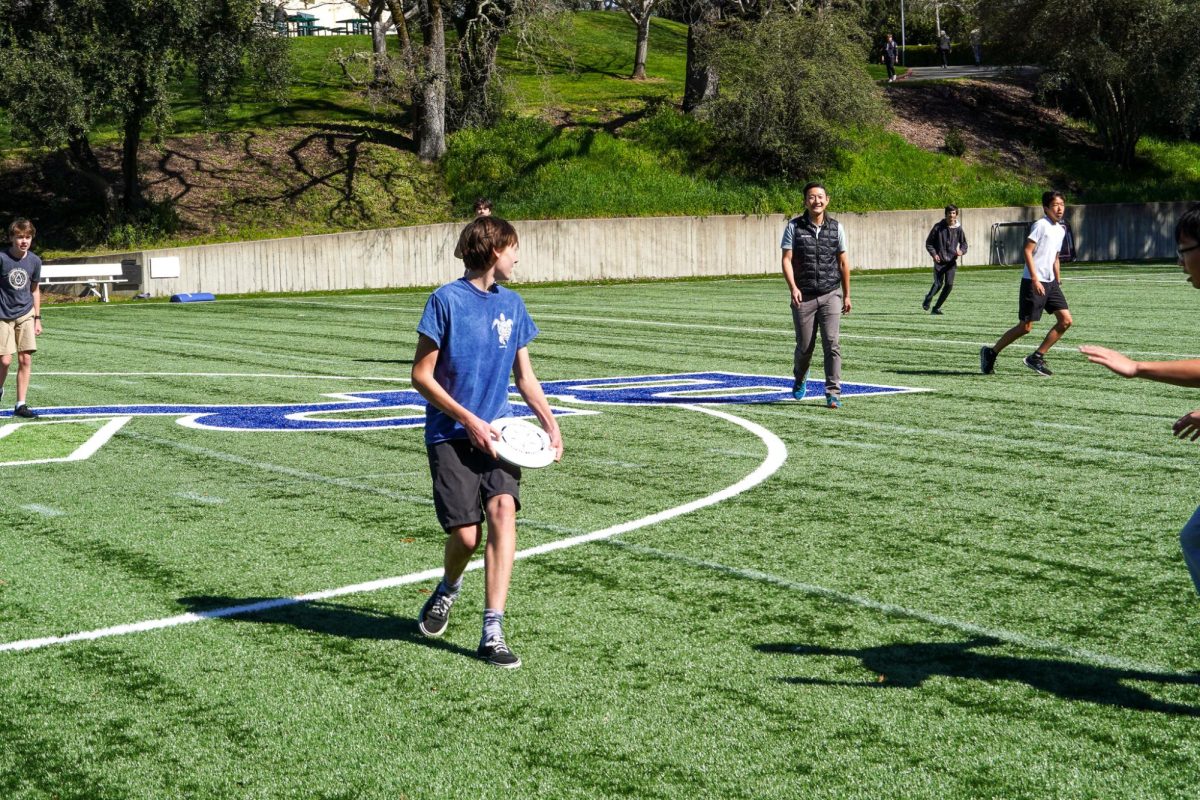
{"type": "Point", "coordinates": [1183, 250]}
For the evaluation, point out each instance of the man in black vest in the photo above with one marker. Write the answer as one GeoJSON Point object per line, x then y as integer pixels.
{"type": "Point", "coordinates": [889, 57]}
{"type": "Point", "coordinates": [817, 271]}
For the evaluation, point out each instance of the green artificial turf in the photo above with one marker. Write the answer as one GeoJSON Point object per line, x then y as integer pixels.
{"type": "Point", "coordinates": [971, 591]}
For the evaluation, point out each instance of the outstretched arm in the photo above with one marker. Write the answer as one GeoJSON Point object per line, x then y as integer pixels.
{"type": "Point", "coordinates": [1179, 373]}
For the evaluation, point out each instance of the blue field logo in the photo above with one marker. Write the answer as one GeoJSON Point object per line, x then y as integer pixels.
{"type": "Point", "coordinates": [406, 408]}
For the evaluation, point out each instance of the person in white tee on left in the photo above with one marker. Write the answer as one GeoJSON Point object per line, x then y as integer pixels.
{"type": "Point", "coordinates": [1040, 289]}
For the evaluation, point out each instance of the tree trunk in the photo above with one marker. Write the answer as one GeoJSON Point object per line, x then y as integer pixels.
{"type": "Point", "coordinates": [131, 183]}
{"type": "Point", "coordinates": [379, 45]}
{"type": "Point", "coordinates": [700, 78]}
{"type": "Point", "coordinates": [479, 36]}
{"type": "Point", "coordinates": [396, 7]}
{"type": "Point", "coordinates": [431, 91]}
{"type": "Point", "coordinates": [83, 162]}
{"type": "Point", "coordinates": [643, 44]}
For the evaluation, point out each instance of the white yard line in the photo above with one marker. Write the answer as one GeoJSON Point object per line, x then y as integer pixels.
{"type": "Point", "coordinates": [892, 609]}
{"type": "Point", "coordinates": [776, 456]}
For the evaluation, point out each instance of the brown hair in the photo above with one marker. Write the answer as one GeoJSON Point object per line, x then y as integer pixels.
{"type": "Point", "coordinates": [21, 225]}
{"type": "Point", "coordinates": [481, 237]}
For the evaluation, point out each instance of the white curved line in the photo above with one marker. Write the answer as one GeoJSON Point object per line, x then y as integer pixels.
{"type": "Point", "coordinates": [776, 455]}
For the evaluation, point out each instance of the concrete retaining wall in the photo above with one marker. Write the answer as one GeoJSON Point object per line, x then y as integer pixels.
{"type": "Point", "coordinates": [616, 249]}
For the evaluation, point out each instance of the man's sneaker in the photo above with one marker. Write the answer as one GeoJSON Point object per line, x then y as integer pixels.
{"type": "Point", "coordinates": [925, 304]}
{"type": "Point", "coordinates": [800, 390]}
{"type": "Point", "coordinates": [435, 614]}
{"type": "Point", "coordinates": [25, 411]}
{"type": "Point", "coordinates": [495, 652]}
{"type": "Point", "coordinates": [1037, 363]}
{"type": "Point", "coordinates": [937, 311]}
{"type": "Point", "coordinates": [987, 360]}
{"type": "Point", "coordinates": [833, 401]}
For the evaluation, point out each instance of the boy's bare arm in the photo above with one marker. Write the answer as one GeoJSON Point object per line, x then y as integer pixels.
{"type": "Point", "coordinates": [1030, 246]}
{"type": "Point", "coordinates": [479, 431]}
{"type": "Point", "coordinates": [531, 392]}
{"type": "Point", "coordinates": [1179, 373]}
{"type": "Point", "coordinates": [36, 291]}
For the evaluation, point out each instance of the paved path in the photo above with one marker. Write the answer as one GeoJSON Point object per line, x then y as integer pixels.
{"type": "Point", "coordinates": [940, 74]}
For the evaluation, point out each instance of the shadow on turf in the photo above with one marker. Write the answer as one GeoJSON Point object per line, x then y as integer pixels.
{"type": "Point", "coordinates": [331, 619]}
{"type": "Point", "coordinates": [908, 665]}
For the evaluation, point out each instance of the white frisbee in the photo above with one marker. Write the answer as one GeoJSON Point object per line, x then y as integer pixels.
{"type": "Point", "coordinates": [522, 443]}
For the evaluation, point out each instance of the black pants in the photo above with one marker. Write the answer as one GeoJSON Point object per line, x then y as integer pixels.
{"type": "Point", "coordinates": [943, 280]}
{"type": "Point", "coordinates": [891, 67]}
{"type": "Point", "coordinates": [945, 58]}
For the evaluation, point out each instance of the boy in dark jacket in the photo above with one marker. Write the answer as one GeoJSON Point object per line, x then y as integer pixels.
{"type": "Point", "coordinates": [945, 242]}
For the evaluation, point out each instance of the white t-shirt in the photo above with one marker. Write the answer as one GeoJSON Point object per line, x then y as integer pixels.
{"type": "Point", "coordinates": [1047, 237]}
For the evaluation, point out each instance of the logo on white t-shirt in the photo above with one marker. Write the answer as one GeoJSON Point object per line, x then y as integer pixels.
{"type": "Point", "coordinates": [18, 279]}
{"type": "Point", "coordinates": [503, 328]}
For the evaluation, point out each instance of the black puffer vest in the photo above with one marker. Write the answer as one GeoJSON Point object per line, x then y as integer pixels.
{"type": "Point", "coordinates": [814, 258]}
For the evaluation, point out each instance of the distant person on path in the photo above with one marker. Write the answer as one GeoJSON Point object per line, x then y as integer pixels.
{"type": "Point", "coordinates": [944, 48]}
{"type": "Point", "coordinates": [946, 242]}
{"type": "Point", "coordinates": [1178, 373]}
{"type": "Point", "coordinates": [977, 46]}
{"type": "Point", "coordinates": [474, 336]}
{"type": "Point", "coordinates": [20, 310]}
{"type": "Point", "coordinates": [1040, 289]}
{"type": "Point", "coordinates": [889, 57]}
{"type": "Point", "coordinates": [817, 271]}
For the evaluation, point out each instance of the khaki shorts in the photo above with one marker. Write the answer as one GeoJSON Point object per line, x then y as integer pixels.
{"type": "Point", "coordinates": [16, 335]}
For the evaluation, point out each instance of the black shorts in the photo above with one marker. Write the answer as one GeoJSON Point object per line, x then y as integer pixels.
{"type": "Point", "coordinates": [1031, 304]}
{"type": "Point", "coordinates": [464, 479]}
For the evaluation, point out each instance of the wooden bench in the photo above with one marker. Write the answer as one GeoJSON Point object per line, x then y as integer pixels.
{"type": "Point", "coordinates": [97, 277]}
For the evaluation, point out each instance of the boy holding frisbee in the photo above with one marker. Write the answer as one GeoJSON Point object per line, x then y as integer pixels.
{"type": "Point", "coordinates": [20, 310]}
{"type": "Point", "coordinates": [1040, 290]}
{"type": "Point", "coordinates": [474, 334]}
{"type": "Point", "coordinates": [1179, 373]}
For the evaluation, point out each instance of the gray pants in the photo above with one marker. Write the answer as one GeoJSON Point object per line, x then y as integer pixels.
{"type": "Point", "coordinates": [823, 312]}
{"type": "Point", "coordinates": [1189, 540]}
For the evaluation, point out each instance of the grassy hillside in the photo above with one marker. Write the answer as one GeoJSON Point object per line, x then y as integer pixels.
{"type": "Point", "coordinates": [584, 140]}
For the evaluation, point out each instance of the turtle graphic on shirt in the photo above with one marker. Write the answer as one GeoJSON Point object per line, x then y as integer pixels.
{"type": "Point", "coordinates": [503, 328]}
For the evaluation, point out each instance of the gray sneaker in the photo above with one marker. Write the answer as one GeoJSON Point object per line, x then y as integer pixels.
{"type": "Point", "coordinates": [435, 614]}
{"type": "Point", "coordinates": [495, 652]}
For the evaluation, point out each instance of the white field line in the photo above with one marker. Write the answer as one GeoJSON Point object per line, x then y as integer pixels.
{"type": "Point", "coordinates": [203, 499]}
{"type": "Point", "coordinates": [891, 609]}
{"type": "Point", "coordinates": [776, 456]}
{"type": "Point", "coordinates": [286, 376]}
{"type": "Point", "coordinates": [45, 511]}
{"type": "Point", "coordinates": [81, 453]}
{"type": "Point", "coordinates": [1180, 461]}
{"type": "Point", "coordinates": [278, 469]}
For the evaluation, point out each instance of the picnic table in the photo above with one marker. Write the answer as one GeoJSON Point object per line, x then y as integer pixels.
{"type": "Point", "coordinates": [302, 24]}
{"type": "Point", "coordinates": [356, 26]}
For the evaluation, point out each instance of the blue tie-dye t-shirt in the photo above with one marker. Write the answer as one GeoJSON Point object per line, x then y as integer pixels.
{"type": "Point", "coordinates": [478, 335]}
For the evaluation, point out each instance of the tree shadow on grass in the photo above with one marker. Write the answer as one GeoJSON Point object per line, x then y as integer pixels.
{"type": "Point", "coordinates": [908, 665]}
{"type": "Point", "coordinates": [320, 616]}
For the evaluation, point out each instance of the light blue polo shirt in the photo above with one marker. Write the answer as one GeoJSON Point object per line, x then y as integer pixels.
{"type": "Point", "coordinates": [478, 335]}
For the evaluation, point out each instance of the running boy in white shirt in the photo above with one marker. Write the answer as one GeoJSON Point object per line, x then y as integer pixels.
{"type": "Point", "coordinates": [1040, 289]}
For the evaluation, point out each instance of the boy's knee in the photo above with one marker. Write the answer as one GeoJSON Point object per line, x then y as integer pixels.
{"type": "Point", "coordinates": [5, 360]}
{"type": "Point", "coordinates": [24, 359]}
{"type": "Point", "coordinates": [1026, 327]}
{"type": "Point", "coordinates": [502, 505]}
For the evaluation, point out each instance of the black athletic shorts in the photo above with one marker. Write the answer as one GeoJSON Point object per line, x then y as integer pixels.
{"type": "Point", "coordinates": [1031, 304]}
{"type": "Point", "coordinates": [464, 479]}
